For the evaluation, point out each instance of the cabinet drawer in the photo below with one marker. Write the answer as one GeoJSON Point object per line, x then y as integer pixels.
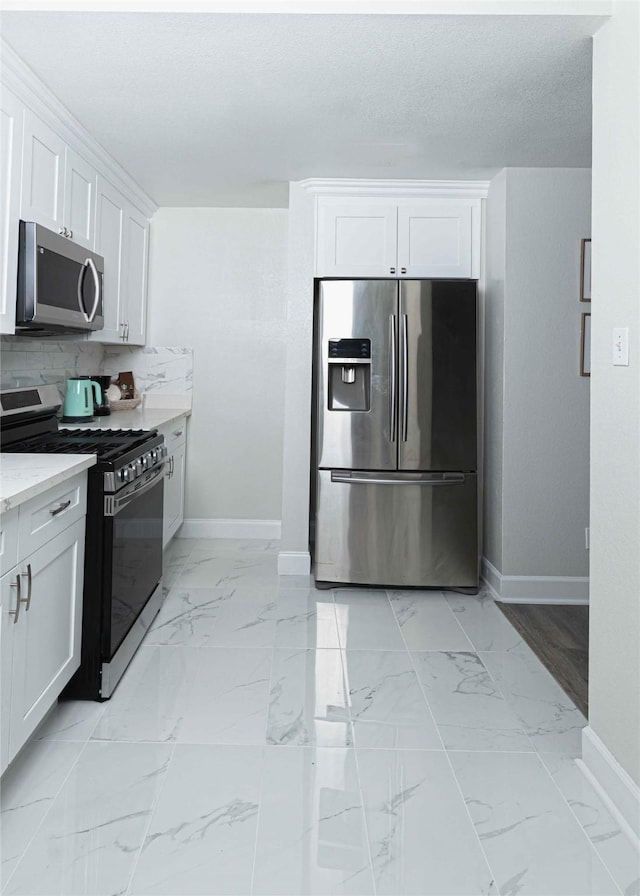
{"type": "Point", "coordinates": [8, 540]}
{"type": "Point", "coordinates": [174, 433]}
{"type": "Point", "coordinates": [44, 516]}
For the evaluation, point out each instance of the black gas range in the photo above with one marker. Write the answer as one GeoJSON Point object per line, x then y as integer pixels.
{"type": "Point", "coordinates": [123, 544]}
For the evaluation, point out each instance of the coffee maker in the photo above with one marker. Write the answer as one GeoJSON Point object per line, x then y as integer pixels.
{"type": "Point", "coordinates": [101, 408]}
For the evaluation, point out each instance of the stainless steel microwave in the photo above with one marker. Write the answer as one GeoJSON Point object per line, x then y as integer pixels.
{"type": "Point", "coordinates": [60, 284]}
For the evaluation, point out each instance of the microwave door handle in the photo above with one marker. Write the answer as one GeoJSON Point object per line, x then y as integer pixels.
{"type": "Point", "coordinates": [96, 282]}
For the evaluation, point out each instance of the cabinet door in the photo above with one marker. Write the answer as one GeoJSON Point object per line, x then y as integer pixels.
{"type": "Point", "coordinates": [434, 239]}
{"type": "Point", "coordinates": [110, 220]}
{"type": "Point", "coordinates": [43, 161]}
{"type": "Point", "coordinates": [80, 199]}
{"type": "Point", "coordinates": [8, 598]}
{"type": "Point", "coordinates": [356, 240]}
{"type": "Point", "coordinates": [135, 279]}
{"type": "Point", "coordinates": [11, 115]}
{"type": "Point", "coordinates": [174, 495]}
{"type": "Point", "coordinates": [46, 638]}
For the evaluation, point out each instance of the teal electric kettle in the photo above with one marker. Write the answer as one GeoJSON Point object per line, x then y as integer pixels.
{"type": "Point", "coordinates": [78, 400]}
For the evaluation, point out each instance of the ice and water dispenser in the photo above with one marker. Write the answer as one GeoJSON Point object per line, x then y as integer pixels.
{"type": "Point", "coordinates": [349, 377]}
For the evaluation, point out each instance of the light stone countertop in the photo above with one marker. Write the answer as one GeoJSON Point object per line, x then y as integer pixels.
{"type": "Point", "coordinates": [139, 418]}
{"type": "Point", "coordinates": [23, 476]}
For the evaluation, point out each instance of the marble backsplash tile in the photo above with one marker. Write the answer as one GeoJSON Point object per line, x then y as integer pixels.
{"type": "Point", "coordinates": [31, 362]}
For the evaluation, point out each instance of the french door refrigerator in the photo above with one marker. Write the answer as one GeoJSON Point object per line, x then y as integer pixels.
{"type": "Point", "coordinates": [395, 433]}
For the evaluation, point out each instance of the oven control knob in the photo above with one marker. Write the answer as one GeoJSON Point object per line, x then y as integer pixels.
{"type": "Point", "coordinates": [137, 468]}
{"type": "Point", "coordinates": [125, 474]}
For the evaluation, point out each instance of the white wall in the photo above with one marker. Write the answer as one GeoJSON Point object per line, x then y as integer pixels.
{"type": "Point", "coordinates": [536, 402]}
{"type": "Point", "coordinates": [217, 282]}
{"type": "Point", "coordinates": [614, 662]}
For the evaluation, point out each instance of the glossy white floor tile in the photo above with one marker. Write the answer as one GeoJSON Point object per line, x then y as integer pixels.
{"type": "Point", "coordinates": [270, 738]}
{"type": "Point", "coordinates": [386, 702]}
{"type": "Point", "coordinates": [532, 840]}
{"type": "Point", "coordinates": [311, 830]}
{"type": "Point", "coordinates": [470, 711]}
{"type": "Point", "coordinates": [202, 835]}
{"type": "Point", "coordinates": [90, 837]}
{"type": "Point", "coordinates": [426, 621]}
{"type": "Point", "coordinates": [422, 840]}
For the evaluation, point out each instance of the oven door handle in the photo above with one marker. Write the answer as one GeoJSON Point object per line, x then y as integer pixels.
{"type": "Point", "coordinates": [114, 504]}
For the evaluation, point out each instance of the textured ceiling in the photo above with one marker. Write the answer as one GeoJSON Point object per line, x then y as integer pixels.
{"type": "Point", "coordinates": [219, 109]}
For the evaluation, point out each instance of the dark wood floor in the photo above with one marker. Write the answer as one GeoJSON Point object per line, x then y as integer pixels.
{"type": "Point", "coordinates": [559, 636]}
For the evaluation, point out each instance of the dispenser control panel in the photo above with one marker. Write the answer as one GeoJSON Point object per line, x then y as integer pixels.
{"type": "Point", "coordinates": [350, 348]}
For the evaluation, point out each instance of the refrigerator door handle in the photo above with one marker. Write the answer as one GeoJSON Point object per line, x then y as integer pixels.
{"type": "Point", "coordinates": [364, 478]}
{"type": "Point", "coordinates": [392, 378]}
{"type": "Point", "coordinates": [404, 361]}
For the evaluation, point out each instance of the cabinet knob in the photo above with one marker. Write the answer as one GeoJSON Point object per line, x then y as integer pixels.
{"type": "Point", "coordinates": [403, 270]}
{"type": "Point", "coordinates": [62, 231]}
{"type": "Point", "coordinates": [392, 270]}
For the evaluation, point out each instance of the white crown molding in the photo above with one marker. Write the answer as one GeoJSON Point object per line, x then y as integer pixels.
{"type": "Point", "coordinates": [334, 7]}
{"type": "Point", "coordinates": [265, 529]}
{"type": "Point", "coordinates": [619, 792]}
{"type": "Point", "coordinates": [321, 186]}
{"type": "Point", "coordinates": [535, 589]}
{"type": "Point", "coordinates": [19, 78]}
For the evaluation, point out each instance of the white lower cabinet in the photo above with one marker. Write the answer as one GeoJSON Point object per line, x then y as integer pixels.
{"type": "Point", "coordinates": [175, 440]}
{"type": "Point", "coordinates": [41, 614]}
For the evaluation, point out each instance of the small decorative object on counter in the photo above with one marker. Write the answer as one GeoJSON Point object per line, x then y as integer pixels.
{"type": "Point", "coordinates": [125, 383]}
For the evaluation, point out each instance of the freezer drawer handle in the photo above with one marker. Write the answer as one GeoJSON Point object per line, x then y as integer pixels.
{"type": "Point", "coordinates": [372, 479]}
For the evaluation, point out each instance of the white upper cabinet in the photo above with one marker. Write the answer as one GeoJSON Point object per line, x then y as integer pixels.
{"type": "Point", "coordinates": [414, 237]}
{"type": "Point", "coordinates": [58, 185]}
{"type": "Point", "coordinates": [11, 117]}
{"type": "Point", "coordinates": [135, 279]}
{"type": "Point", "coordinates": [358, 239]}
{"type": "Point", "coordinates": [122, 238]}
{"type": "Point", "coordinates": [54, 173]}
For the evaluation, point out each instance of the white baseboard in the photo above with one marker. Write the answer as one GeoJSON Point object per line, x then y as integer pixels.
{"type": "Point", "coordinates": [266, 529]}
{"type": "Point", "coordinates": [294, 563]}
{"type": "Point", "coordinates": [535, 589]}
{"type": "Point", "coordinates": [619, 792]}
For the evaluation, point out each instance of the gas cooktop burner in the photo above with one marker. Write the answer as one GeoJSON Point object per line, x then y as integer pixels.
{"type": "Point", "coordinates": [106, 444]}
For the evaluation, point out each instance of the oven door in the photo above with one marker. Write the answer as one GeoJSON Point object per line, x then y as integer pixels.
{"type": "Point", "coordinates": [133, 557]}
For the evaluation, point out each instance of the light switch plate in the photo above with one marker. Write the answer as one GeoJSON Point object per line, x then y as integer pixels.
{"type": "Point", "coordinates": [621, 346]}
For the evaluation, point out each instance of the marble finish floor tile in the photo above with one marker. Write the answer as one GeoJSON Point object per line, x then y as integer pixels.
{"type": "Point", "coordinates": [88, 842]}
{"type": "Point", "coordinates": [366, 621]}
{"type": "Point", "coordinates": [482, 621]}
{"type": "Point", "coordinates": [550, 719]}
{"type": "Point", "coordinates": [532, 840]}
{"type": "Point", "coordinates": [305, 618]}
{"type": "Point", "coordinates": [227, 700]}
{"type": "Point", "coordinates": [269, 737]}
{"type": "Point", "coordinates": [421, 838]}
{"type": "Point", "coordinates": [247, 620]}
{"type": "Point", "coordinates": [616, 850]}
{"type": "Point", "coordinates": [308, 700]}
{"type": "Point", "coordinates": [470, 711]}
{"type": "Point", "coordinates": [311, 831]}
{"type": "Point", "coordinates": [187, 616]}
{"type": "Point", "coordinates": [230, 570]}
{"type": "Point", "coordinates": [29, 787]}
{"type": "Point", "coordinates": [427, 622]}
{"type": "Point", "coordinates": [148, 703]}
{"type": "Point", "coordinates": [386, 702]}
{"type": "Point", "coordinates": [201, 839]}
{"type": "Point", "coordinates": [71, 720]}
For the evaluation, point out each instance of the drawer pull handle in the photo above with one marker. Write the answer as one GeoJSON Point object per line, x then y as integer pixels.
{"type": "Point", "coordinates": [63, 506]}
{"type": "Point", "coordinates": [177, 432]}
{"type": "Point", "coordinates": [19, 599]}
{"type": "Point", "coordinates": [27, 575]}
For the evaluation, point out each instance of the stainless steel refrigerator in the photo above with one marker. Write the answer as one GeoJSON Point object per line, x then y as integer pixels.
{"type": "Point", "coordinates": [395, 433]}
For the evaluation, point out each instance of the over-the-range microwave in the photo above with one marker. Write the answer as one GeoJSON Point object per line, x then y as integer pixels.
{"type": "Point", "coordinates": [60, 284]}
